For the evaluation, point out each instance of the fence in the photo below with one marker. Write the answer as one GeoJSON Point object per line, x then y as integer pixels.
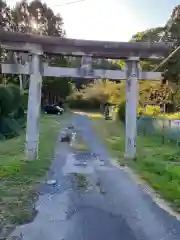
{"type": "Point", "coordinates": [165, 129]}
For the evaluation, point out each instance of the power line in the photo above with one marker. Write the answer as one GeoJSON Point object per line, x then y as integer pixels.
{"type": "Point", "coordinates": [167, 59]}
{"type": "Point", "coordinates": [68, 3]}
{"type": "Point", "coordinates": [55, 5]}
{"type": "Point", "coordinates": [168, 27]}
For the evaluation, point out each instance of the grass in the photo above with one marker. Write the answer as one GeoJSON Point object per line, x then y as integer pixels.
{"type": "Point", "coordinates": [19, 178]}
{"type": "Point", "coordinates": [81, 181]}
{"type": "Point", "coordinates": [154, 160]}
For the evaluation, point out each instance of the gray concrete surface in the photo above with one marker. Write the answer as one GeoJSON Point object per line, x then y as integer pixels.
{"type": "Point", "coordinates": [111, 207]}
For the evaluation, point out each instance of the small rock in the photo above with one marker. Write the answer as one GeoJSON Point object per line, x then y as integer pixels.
{"type": "Point", "coordinates": [17, 237]}
{"type": "Point", "coordinates": [51, 182]}
{"type": "Point", "coordinates": [80, 164]}
{"type": "Point", "coordinates": [70, 127]}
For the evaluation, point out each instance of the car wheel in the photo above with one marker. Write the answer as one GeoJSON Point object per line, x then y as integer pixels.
{"type": "Point", "coordinates": [58, 113]}
{"type": "Point", "coordinates": [45, 112]}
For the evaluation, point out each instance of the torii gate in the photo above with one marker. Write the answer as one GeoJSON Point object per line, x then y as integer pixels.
{"type": "Point", "coordinates": [36, 46]}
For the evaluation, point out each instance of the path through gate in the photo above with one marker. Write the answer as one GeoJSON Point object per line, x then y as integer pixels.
{"type": "Point", "coordinates": [36, 46]}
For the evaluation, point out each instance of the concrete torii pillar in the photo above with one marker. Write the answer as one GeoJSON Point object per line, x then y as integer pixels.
{"type": "Point", "coordinates": [34, 103]}
{"type": "Point", "coordinates": [132, 75]}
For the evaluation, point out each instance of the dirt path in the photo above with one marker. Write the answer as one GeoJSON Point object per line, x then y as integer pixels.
{"type": "Point", "coordinates": [92, 199]}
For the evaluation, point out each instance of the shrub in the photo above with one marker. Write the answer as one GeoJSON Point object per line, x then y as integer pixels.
{"type": "Point", "coordinates": [152, 110]}
{"type": "Point", "coordinates": [83, 104]}
{"type": "Point", "coordinates": [10, 99]}
{"type": "Point", "coordinates": [12, 117]}
{"type": "Point", "coordinates": [6, 100]}
{"type": "Point", "coordinates": [9, 127]}
{"type": "Point", "coordinates": [25, 100]}
{"type": "Point", "coordinates": [122, 111]}
{"type": "Point", "coordinates": [16, 101]}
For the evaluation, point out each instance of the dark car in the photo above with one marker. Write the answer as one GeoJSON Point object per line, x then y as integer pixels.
{"type": "Point", "coordinates": [53, 109]}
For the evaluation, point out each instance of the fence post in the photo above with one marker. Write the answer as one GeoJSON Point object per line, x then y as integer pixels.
{"type": "Point", "coordinates": [138, 130]}
{"type": "Point", "coordinates": [163, 131]}
{"type": "Point", "coordinates": [169, 124]}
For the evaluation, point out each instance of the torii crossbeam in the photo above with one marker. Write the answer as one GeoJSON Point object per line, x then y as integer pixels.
{"type": "Point", "coordinates": [36, 46]}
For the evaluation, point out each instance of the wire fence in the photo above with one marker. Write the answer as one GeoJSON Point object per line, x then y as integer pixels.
{"type": "Point", "coordinates": [165, 131]}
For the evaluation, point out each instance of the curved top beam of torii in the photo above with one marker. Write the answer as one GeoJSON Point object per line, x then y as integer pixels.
{"type": "Point", "coordinates": [76, 47]}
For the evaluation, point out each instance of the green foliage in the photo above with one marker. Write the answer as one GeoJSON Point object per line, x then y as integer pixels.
{"type": "Point", "coordinates": [150, 35]}
{"type": "Point", "coordinates": [16, 101]}
{"type": "Point", "coordinates": [104, 91]}
{"type": "Point", "coordinates": [24, 97]}
{"type": "Point", "coordinates": [37, 18]}
{"type": "Point", "coordinates": [100, 63]}
{"type": "Point", "coordinates": [171, 70]}
{"type": "Point", "coordinates": [10, 99]}
{"type": "Point", "coordinates": [157, 163]}
{"type": "Point", "coordinates": [6, 101]}
{"type": "Point", "coordinates": [9, 127]}
{"type": "Point", "coordinates": [83, 104]}
{"type": "Point", "coordinates": [96, 94]}
{"type": "Point", "coordinates": [122, 111]}
{"type": "Point", "coordinates": [19, 178]}
{"type": "Point", "coordinates": [12, 117]}
{"type": "Point", "coordinates": [154, 93]}
{"type": "Point", "coordinates": [59, 88]}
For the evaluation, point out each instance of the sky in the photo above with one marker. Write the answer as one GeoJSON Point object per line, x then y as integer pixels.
{"type": "Point", "coordinates": [110, 20]}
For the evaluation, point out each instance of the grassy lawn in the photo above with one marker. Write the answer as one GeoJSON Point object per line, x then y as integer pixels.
{"type": "Point", "coordinates": [19, 179]}
{"type": "Point", "coordinates": [155, 161]}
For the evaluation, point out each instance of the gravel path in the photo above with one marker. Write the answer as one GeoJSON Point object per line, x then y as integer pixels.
{"type": "Point", "coordinates": [111, 206]}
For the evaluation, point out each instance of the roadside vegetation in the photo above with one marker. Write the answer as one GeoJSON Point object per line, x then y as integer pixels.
{"type": "Point", "coordinates": [157, 163]}
{"type": "Point", "coordinates": [82, 182]}
{"type": "Point", "coordinates": [19, 178]}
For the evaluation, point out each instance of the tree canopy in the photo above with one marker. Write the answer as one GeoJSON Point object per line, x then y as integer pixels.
{"type": "Point", "coordinates": [38, 18]}
{"type": "Point", "coordinates": [170, 32]}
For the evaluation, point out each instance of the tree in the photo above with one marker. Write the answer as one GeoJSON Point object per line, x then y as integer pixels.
{"type": "Point", "coordinates": [55, 89]}
{"type": "Point", "coordinates": [150, 35]}
{"type": "Point", "coordinates": [36, 17]}
{"type": "Point", "coordinates": [96, 64]}
{"type": "Point", "coordinates": [5, 22]}
{"type": "Point", "coordinates": [104, 91]}
{"type": "Point", "coordinates": [172, 67]}
{"type": "Point", "coordinates": [5, 16]}
{"type": "Point", "coordinates": [171, 70]}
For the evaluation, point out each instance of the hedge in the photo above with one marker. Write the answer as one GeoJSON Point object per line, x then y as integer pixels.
{"type": "Point", "coordinates": [12, 117]}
